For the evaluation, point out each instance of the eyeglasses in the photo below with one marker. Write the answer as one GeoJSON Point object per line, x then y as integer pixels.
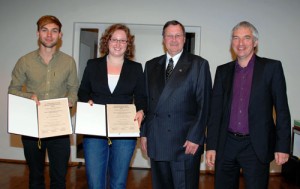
{"type": "Point", "coordinates": [121, 41]}
{"type": "Point", "coordinates": [176, 36]}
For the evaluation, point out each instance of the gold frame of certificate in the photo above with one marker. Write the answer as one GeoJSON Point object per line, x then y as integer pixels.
{"type": "Point", "coordinates": [111, 120]}
{"type": "Point", "coordinates": [49, 119]}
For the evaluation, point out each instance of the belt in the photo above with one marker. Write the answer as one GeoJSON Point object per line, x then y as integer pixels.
{"type": "Point", "coordinates": [240, 135]}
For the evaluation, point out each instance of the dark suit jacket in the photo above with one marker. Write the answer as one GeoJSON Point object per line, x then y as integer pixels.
{"type": "Point", "coordinates": [130, 87]}
{"type": "Point", "coordinates": [268, 90]}
{"type": "Point", "coordinates": [178, 108]}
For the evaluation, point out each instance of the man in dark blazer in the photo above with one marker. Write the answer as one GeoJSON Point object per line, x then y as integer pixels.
{"type": "Point", "coordinates": [178, 101]}
{"type": "Point", "coordinates": [241, 129]}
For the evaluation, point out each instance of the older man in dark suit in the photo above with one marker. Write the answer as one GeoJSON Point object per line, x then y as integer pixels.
{"type": "Point", "coordinates": [241, 130]}
{"type": "Point", "coordinates": [178, 86]}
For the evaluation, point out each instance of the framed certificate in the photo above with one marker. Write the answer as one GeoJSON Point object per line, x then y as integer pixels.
{"type": "Point", "coordinates": [111, 120]}
{"type": "Point", "coordinates": [51, 118]}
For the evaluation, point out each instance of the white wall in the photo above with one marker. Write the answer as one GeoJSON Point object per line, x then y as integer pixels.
{"type": "Point", "coordinates": [276, 20]}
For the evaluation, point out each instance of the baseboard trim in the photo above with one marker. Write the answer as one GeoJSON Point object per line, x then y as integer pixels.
{"type": "Point", "coordinates": [79, 164]}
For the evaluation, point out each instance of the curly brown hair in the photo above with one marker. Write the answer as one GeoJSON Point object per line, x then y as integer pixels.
{"type": "Point", "coordinates": [107, 35]}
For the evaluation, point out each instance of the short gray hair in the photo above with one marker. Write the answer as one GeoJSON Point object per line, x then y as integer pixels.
{"type": "Point", "coordinates": [245, 24]}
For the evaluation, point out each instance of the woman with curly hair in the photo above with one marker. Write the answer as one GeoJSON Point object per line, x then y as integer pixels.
{"type": "Point", "coordinates": [114, 78]}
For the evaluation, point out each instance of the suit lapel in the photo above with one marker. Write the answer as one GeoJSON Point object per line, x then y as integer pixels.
{"type": "Point", "coordinates": [102, 70]}
{"type": "Point", "coordinates": [155, 74]}
{"type": "Point", "coordinates": [257, 79]}
{"type": "Point", "coordinates": [158, 78]}
{"type": "Point", "coordinates": [177, 77]}
{"type": "Point", "coordinates": [124, 72]}
{"type": "Point", "coordinates": [228, 82]}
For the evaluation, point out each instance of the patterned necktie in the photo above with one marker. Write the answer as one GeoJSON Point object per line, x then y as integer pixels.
{"type": "Point", "coordinates": [169, 68]}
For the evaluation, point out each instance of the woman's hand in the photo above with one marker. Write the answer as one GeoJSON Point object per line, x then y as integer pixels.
{"type": "Point", "coordinates": [91, 102]}
{"type": "Point", "coordinates": [139, 116]}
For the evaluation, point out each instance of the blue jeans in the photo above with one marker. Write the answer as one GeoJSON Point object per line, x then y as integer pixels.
{"type": "Point", "coordinates": [107, 163]}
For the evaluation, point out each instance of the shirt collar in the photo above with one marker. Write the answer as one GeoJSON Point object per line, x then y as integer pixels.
{"type": "Point", "coordinates": [175, 58]}
{"type": "Point", "coordinates": [250, 64]}
{"type": "Point", "coordinates": [37, 54]}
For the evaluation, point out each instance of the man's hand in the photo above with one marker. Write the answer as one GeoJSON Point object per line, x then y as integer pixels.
{"type": "Point", "coordinates": [190, 148]}
{"type": "Point", "coordinates": [281, 158]}
{"type": "Point", "coordinates": [210, 158]}
{"type": "Point", "coordinates": [90, 102]}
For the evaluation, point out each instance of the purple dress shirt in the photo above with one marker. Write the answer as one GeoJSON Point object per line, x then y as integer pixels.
{"type": "Point", "coordinates": [240, 99]}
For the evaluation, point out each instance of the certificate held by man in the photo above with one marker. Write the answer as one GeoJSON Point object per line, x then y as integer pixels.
{"type": "Point", "coordinates": [49, 119]}
{"type": "Point", "coordinates": [111, 120]}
